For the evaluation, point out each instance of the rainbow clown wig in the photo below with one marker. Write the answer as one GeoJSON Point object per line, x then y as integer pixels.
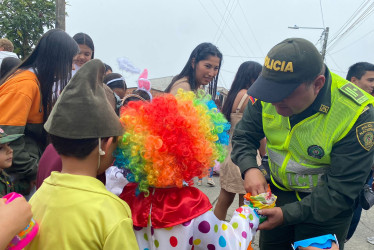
{"type": "Point", "coordinates": [171, 139]}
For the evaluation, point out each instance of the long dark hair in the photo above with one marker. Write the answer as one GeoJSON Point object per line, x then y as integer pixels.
{"type": "Point", "coordinates": [244, 78]}
{"type": "Point", "coordinates": [83, 38]}
{"type": "Point", "coordinates": [51, 61]}
{"type": "Point", "coordinates": [201, 52]}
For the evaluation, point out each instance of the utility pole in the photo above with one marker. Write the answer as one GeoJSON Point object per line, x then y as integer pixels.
{"type": "Point", "coordinates": [60, 14]}
{"type": "Point", "coordinates": [326, 36]}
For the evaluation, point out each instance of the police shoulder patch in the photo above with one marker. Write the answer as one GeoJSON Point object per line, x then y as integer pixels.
{"type": "Point", "coordinates": [365, 135]}
{"type": "Point", "coordinates": [353, 92]}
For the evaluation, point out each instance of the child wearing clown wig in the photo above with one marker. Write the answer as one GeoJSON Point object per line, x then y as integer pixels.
{"type": "Point", "coordinates": [168, 142]}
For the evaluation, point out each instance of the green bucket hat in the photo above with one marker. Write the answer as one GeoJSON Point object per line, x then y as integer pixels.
{"type": "Point", "coordinates": [287, 65]}
{"type": "Point", "coordinates": [5, 138]}
{"type": "Point", "coordinates": [82, 111]}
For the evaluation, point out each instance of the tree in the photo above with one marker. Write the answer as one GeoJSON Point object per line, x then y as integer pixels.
{"type": "Point", "coordinates": [24, 21]}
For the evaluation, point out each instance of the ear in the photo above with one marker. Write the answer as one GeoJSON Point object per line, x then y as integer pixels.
{"type": "Point", "coordinates": [318, 84]}
{"type": "Point", "coordinates": [193, 63]}
{"type": "Point", "coordinates": [354, 80]}
{"type": "Point", "coordinates": [105, 144]}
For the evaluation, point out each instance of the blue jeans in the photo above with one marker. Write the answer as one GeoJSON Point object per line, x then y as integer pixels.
{"type": "Point", "coordinates": [210, 173]}
{"type": "Point", "coordinates": [357, 213]}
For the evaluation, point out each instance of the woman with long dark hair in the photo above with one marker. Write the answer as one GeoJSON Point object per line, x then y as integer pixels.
{"type": "Point", "coordinates": [27, 94]}
{"type": "Point", "coordinates": [233, 108]}
{"type": "Point", "coordinates": [201, 69]}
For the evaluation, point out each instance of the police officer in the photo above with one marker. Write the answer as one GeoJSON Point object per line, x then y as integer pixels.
{"type": "Point", "coordinates": [320, 135]}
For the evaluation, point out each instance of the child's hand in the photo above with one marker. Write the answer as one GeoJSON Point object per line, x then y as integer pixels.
{"type": "Point", "coordinates": [274, 218]}
{"type": "Point", "coordinates": [333, 247]}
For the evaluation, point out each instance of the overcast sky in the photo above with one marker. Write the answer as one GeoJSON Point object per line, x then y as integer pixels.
{"type": "Point", "coordinates": [160, 35]}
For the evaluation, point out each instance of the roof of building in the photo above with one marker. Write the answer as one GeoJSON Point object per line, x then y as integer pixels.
{"type": "Point", "coordinates": [161, 83]}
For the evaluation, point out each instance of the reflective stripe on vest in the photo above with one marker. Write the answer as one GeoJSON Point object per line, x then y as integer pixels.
{"type": "Point", "coordinates": [298, 177]}
{"type": "Point", "coordinates": [298, 157]}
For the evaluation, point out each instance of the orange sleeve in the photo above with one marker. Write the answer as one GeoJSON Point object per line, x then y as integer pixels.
{"type": "Point", "coordinates": [20, 100]}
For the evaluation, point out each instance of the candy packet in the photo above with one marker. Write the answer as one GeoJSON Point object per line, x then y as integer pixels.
{"type": "Point", "coordinates": [260, 201]}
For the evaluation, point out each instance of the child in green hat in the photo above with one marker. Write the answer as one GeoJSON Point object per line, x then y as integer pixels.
{"type": "Point", "coordinates": [6, 157]}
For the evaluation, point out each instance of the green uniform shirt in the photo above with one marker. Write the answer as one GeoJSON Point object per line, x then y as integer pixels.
{"type": "Point", "coordinates": [350, 162]}
{"type": "Point", "coordinates": [7, 185]}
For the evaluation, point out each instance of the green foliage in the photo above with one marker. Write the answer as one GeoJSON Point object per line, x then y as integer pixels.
{"type": "Point", "coordinates": [24, 21]}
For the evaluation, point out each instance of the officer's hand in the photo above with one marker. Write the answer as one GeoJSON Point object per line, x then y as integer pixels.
{"type": "Point", "coordinates": [254, 182]}
{"type": "Point", "coordinates": [275, 218]}
{"type": "Point", "coordinates": [333, 247]}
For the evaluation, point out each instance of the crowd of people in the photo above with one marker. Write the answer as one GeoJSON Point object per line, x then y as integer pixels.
{"type": "Point", "coordinates": [71, 134]}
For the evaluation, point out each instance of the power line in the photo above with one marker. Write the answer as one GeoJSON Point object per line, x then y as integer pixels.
{"type": "Point", "coordinates": [323, 20]}
{"type": "Point", "coordinates": [241, 33]}
{"type": "Point", "coordinates": [355, 24]}
{"type": "Point", "coordinates": [237, 27]}
{"type": "Point", "coordinates": [349, 20]}
{"type": "Point", "coordinates": [222, 20]}
{"type": "Point", "coordinates": [258, 57]}
{"type": "Point", "coordinates": [226, 20]}
{"type": "Point", "coordinates": [234, 48]}
{"type": "Point", "coordinates": [337, 51]}
{"type": "Point", "coordinates": [332, 59]}
{"type": "Point", "coordinates": [323, 24]}
{"type": "Point", "coordinates": [340, 34]}
{"type": "Point", "coordinates": [249, 26]}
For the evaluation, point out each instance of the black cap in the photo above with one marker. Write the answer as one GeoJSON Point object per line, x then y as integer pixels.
{"type": "Point", "coordinates": [287, 65]}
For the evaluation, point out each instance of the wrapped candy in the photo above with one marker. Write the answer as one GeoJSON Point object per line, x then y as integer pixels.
{"type": "Point", "coordinates": [260, 201]}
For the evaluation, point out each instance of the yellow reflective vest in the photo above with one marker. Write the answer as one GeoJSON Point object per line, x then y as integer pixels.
{"type": "Point", "coordinates": [300, 155]}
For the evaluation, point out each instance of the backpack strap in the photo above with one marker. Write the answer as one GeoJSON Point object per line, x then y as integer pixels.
{"type": "Point", "coordinates": [241, 103]}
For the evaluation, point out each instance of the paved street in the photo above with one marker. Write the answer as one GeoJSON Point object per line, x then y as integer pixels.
{"type": "Point", "coordinates": [357, 242]}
